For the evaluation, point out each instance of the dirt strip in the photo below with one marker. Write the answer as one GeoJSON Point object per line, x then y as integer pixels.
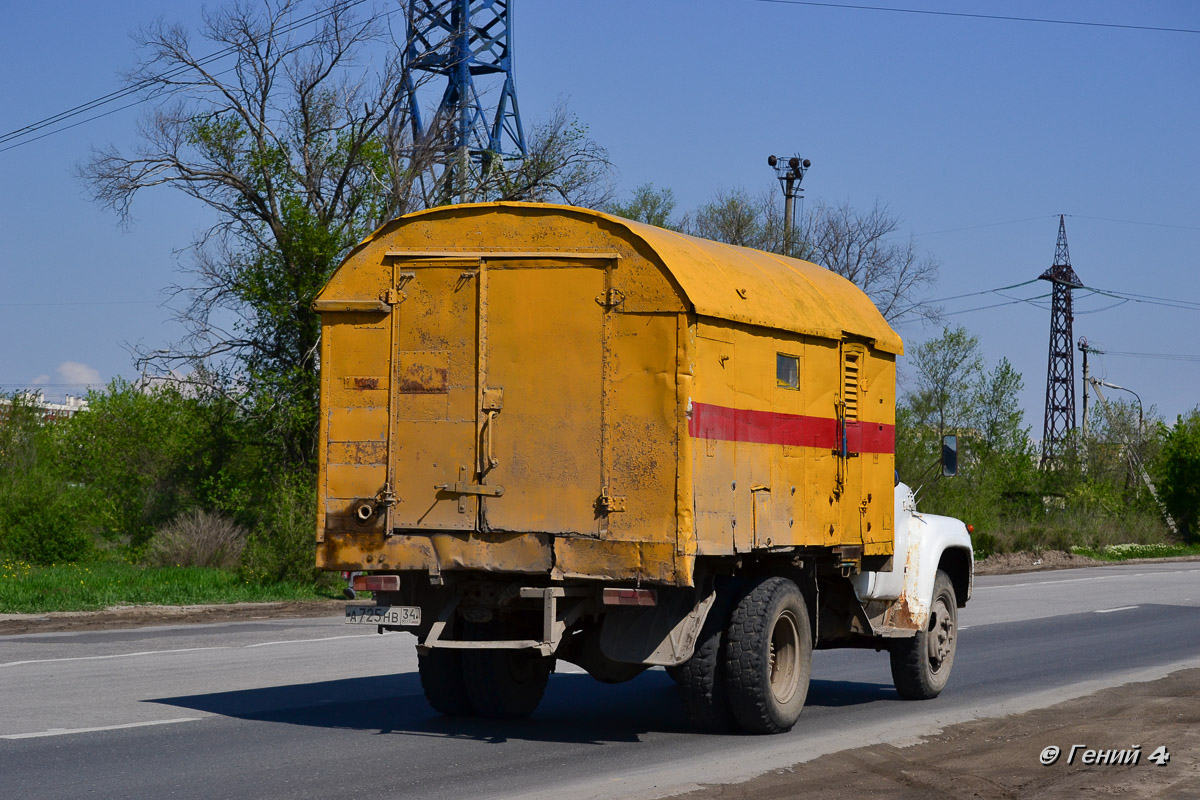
{"type": "Point", "coordinates": [1002, 758]}
{"type": "Point", "coordinates": [143, 616]}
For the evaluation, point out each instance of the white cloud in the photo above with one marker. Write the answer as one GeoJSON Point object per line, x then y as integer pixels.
{"type": "Point", "coordinates": [40, 379]}
{"type": "Point", "coordinates": [75, 372]}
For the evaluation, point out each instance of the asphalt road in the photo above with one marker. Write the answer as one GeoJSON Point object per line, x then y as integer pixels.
{"type": "Point", "coordinates": [314, 709]}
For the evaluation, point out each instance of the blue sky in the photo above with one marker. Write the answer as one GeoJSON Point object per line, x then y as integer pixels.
{"type": "Point", "coordinates": [976, 133]}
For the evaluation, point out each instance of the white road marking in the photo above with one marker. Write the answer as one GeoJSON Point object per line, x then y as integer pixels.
{"type": "Point", "coordinates": [67, 731]}
{"type": "Point", "coordinates": [115, 655]}
{"type": "Point", "coordinates": [186, 650]}
{"type": "Point", "coordinates": [1081, 580]}
{"type": "Point", "coordinates": [322, 639]}
{"type": "Point", "coordinates": [1110, 610]}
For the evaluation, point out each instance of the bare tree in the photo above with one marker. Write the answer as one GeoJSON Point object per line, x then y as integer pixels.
{"type": "Point", "coordinates": [861, 247]}
{"type": "Point", "coordinates": [564, 165]}
{"type": "Point", "coordinates": [864, 248]}
{"type": "Point", "coordinates": [297, 134]}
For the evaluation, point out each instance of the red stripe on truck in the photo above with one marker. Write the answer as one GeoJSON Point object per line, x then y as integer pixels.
{"type": "Point", "coordinates": [772, 427]}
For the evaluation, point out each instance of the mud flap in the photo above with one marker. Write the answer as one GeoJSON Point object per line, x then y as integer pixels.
{"type": "Point", "coordinates": [661, 635]}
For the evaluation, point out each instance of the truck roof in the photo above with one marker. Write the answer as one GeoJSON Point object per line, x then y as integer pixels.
{"type": "Point", "coordinates": [726, 281]}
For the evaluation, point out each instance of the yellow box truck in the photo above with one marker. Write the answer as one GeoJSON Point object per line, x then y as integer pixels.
{"type": "Point", "coordinates": [551, 433]}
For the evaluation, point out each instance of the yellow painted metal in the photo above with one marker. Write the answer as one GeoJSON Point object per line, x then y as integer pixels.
{"type": "Point", "coordinates": [531, 400]}
{"type": "Point", "coordinates": [545, 349]}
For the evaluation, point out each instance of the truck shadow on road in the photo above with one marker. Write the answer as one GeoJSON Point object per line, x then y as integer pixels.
{"type": "Point", "coordinates": [576, 709]}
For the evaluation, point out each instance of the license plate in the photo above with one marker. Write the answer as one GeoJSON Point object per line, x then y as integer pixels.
{"type": "Point", "coordinates": [383, 615]}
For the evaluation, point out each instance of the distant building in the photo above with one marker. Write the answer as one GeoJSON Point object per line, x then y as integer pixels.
{"type": "Point", "coordinates": [69, 407]}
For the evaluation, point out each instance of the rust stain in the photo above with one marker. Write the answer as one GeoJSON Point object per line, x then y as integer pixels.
{"type": "Point", "coordinates": [366, 383]}
{"type": "Point", "coordinates": [424, 379]}
{"type": "Point", "coordinates": [901, 614]}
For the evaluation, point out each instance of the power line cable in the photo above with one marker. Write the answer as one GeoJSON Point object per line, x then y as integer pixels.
{"type": "Point", "coordinates": [996, 305]}
{"type": "Point", "coordinates": [985, 291]}
{"type": "Point", "coordinates": [1160, 356]}
{"type": "Point", "coordinates": [1005, 18]}
{"type": "Point", "coordinates": [1135, 222]}
{"type": "Point", "coordinates": [23, 133]}
{"type": "Point", "coordinates": [1167, 302]}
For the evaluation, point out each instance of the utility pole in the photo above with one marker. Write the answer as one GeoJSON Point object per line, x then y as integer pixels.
{"type": "Point", "coordinates": [1087, 377]}
{"type": "Point", "coordinates": [790, 175]}
{"type": "Point", "coordinates": [1060, 367]}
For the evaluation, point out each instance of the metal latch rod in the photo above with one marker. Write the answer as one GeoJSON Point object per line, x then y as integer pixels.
{"type": "Point", "coordinates": [459, 487]}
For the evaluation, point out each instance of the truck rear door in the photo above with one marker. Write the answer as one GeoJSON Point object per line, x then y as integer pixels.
{"type": "Point", "coordinates": [496, 394]}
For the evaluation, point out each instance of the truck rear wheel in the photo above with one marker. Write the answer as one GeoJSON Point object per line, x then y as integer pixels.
{"type": "Point", "coordinates": [701, 679]}
{"type": "Point", "coordinates": [442, 680]}
{"type": "Point", "coordinates": [768, 657]}
{"type": "Point", "coordinates": [921, 665]}
{"type": "Point", "coordinates": [505, 684]}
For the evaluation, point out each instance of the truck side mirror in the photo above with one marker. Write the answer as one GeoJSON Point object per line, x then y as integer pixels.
{"type": "Point", "coordinates": [949, 456]}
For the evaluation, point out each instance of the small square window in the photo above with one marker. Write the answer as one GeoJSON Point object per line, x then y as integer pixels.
{"type": "Point", "coordinates": [787, 371]}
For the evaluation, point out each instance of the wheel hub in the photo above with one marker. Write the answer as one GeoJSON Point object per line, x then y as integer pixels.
{"type": "Point", "coordinates": [940, 636]}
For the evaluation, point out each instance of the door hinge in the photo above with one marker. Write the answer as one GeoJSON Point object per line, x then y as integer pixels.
{"type": "Point", "coordinates": [611, 298]}
{"type": "Point", "coordinates": [394, 297]}
{"type": "Point", "coordinates": [610, 503]}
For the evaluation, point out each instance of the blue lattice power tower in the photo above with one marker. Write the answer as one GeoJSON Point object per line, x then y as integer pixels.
{"type": "Point", "coordinates": [468, 44]}
{"type": "Point", "coordinates": [1060, 368]}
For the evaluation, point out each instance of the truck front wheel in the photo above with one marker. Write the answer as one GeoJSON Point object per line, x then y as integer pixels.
{"type": "Point", "coordinates": [921, 664]}
{"type": "Point", "coordinates": [768, 657]}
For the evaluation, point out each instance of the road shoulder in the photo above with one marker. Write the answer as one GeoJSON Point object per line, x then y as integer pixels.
{"type": "Point", "coordinates": [1001, 757]}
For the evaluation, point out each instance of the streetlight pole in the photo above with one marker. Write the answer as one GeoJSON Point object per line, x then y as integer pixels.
{"type": "Point", "coordinates": [790, 175]}
{"type": "Point", "coordinates": [1141, 420]}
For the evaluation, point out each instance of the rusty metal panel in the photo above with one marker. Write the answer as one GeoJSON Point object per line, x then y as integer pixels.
{"type": "Point", "coordinates": [542, 338]}
{"type": "Point", "coordinates": [653, 562]}
{"type": "Point", "coordinates": [641, 420]}
{"type": "Point", "coordinates": [434, 418]}
{"type": "Point", "coordinates": [357, 453]}
{"type": "Point", "coordinates": [426, 372]}
{"type": "Point", "coordinates": [436, 551]}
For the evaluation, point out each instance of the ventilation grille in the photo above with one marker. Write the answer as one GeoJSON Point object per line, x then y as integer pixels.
{"type": "Point", "coordinates": [851, 381]}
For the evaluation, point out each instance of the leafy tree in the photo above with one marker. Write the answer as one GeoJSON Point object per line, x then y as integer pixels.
{"type": "Point", "coordinates": [735, 216]}
{"type": "Point", "coordinates": [649, 205]}
{"type": "Point", "coordinates": [949, 374]}
{"type": "Point", "coordinates": [1179, 473]}
{"type": "Point", "coordinates": [996, 410]}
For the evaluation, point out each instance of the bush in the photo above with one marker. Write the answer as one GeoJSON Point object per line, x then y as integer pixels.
{"type": "Point", "coordinates": [41, 513]}
{"type": "Point", "coordinates": [146, 455]}
{"type": "Point", "coordinates": [198, 539]}
{"type": "Point", "coordinates": [1179, 473]}
{"type": "Point", "coordinates": [282, 542]}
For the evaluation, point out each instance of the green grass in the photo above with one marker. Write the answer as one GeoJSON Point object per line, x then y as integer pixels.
{"type": "Point", "coordinates": [1123, 552]}
{"type": "Point", "coordinates": [26, 588]}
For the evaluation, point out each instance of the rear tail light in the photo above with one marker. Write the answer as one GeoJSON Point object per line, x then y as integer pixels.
{"type": "Point", "coordinates": [629, 597]}
{"type": "Point", "coordinates": [376, 583]}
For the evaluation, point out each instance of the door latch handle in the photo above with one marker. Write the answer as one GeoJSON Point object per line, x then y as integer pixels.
{"type": "Point", "coordinates": [489, 461]}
